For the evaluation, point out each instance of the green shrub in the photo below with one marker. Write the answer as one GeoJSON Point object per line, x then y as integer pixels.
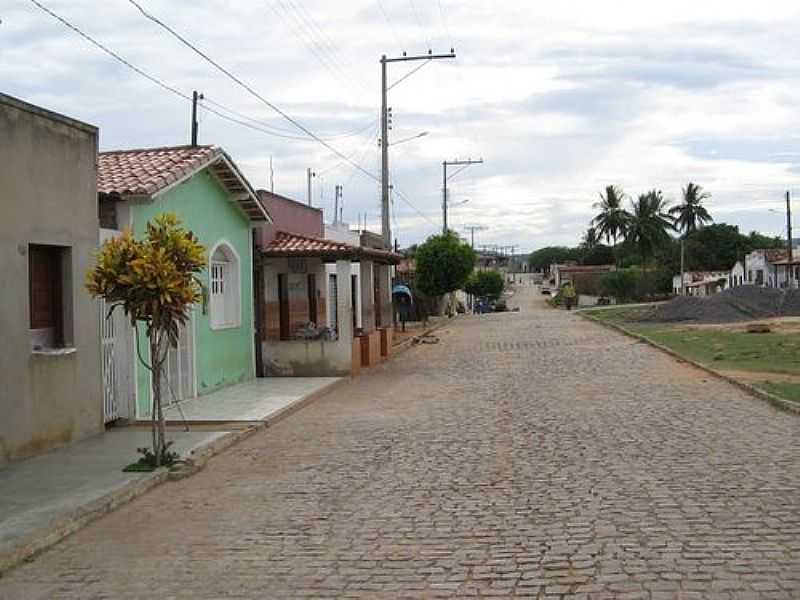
{"type": "Point", "coordinates": [485, 283]}
{"type": "Point", "coordinates": [635, 284]}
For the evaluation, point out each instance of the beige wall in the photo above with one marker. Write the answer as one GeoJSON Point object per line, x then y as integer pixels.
{"type": "Point", "coordinates": [48, 196]}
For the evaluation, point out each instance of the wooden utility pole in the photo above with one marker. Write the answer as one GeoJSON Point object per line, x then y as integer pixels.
{"type": "Point", "coordinates": [386, 231]}
{"type": "Point", "coordinates": [446, 164]}
{"type": "Point", "coordinates": [195, 97]}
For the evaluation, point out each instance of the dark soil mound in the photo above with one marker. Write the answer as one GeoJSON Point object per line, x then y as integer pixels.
{"type": "Point", "coordinates": [743, 303]}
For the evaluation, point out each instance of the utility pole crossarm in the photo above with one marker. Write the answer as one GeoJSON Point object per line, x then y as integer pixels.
{"type": "Point", "coordinates": [445, 164]}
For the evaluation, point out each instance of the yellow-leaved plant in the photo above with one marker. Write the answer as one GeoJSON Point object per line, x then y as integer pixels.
{"type": "Point", "coordinates": [154, 281]}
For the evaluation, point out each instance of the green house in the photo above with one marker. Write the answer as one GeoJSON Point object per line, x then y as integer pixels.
{"type": "Point", "coordinates": [205, 189]}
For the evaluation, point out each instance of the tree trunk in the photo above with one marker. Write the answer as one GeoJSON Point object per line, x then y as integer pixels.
{"type": "Point", "coordinates": [158, 355]}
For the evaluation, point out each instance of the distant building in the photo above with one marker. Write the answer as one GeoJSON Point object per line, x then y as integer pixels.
{"type": "Point", "coordinates": [701, 283]}
{"type": "Point", "coordinates": [768, 268]}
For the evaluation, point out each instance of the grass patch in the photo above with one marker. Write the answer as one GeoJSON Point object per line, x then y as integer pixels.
{"type": "Point", "coordinates": [733, 350]}
{"type": "Point", "coordinates": [628, 316]}
{"type": "Point", "coordinates": [787, 391]}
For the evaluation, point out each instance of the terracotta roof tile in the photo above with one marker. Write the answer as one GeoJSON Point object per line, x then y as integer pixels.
{"type": "Point", "coordinates": [147, 171]}
{"type": "Point", "coordinates": [144, 172]}
{"type": "Point", "coordinates": [294, 245]}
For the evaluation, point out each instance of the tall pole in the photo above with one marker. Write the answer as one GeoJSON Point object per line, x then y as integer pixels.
{"type": "Point", "coordinates": [386, 230]}
{"type": "Point", "coordinates": [789, 266]}
{"type": "Point", "coordinates": [195, 97]}
{"type": "Point", "coordinates": [271, 176]}
{"type": "Point", "coordinates": [336, 204]}
{"type": "Point", "coordinates": [309, 175]}
{"type": "Point", "coordinates": [683, 265]}
{"type": "Point", "coordinates": [444, 197]}
{"type": "Point", "coordinates": [445, 164]}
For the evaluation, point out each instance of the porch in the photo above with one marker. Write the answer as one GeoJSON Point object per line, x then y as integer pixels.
{"type": "Point", "coordinates": [327, 307]}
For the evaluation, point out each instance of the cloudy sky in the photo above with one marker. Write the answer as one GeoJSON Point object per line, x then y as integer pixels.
{"type": "Point", "coordinates": [560, 99]}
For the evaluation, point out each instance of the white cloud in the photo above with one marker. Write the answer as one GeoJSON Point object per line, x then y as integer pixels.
{"type": "Point", "coordinates": [559, 98]}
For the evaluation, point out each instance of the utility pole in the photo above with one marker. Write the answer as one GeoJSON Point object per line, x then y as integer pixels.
{"type": "Point", "coordinates": [195, 97]}
{"type": "Point", "coordinates": [337, 194]}
{"type": "Point", "coordinates": [386, 231]}
{"type": "Point", "coordinates": [472, 229]}
{"type": "Point", "coordinates": [789, 266]}
{"type": "Point", "coordinates": [309, 174]}
{"type": "Point", "coordinates": [683, 265]}
{"type": "Point", "coordinates": [446, 164]}
{"type": "Point", "coordinates": [271, 176]}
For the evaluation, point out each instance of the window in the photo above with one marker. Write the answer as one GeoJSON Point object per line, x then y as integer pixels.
{"type": "Point", "coordinates": [225, 297]}
{"type": "Point", "coordinates": [49, 295]}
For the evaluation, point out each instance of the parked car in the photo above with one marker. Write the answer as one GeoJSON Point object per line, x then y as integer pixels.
{"type": "Point", "coordinates": [546, 292]}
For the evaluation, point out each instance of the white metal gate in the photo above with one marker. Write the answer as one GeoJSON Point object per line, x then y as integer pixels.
{"type": "Point", "coordinates": [111, 387]}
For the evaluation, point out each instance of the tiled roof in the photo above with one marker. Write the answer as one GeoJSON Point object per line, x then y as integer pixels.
{"type": "Point", "coordinates": [585, 268]}
{"type": "Point", "coordinates": [148, 171]}
{"type": "Point", "coordinates": [289, 245]}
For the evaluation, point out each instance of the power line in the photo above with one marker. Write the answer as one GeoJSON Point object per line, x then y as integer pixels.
{"type": "Point", "coordinates": [419, 22]}
{"type": "Point", "coordinates": [110, 52]}
{"type": "Point", "coordinates": [389, 22]}
{"type": "Point", "coordinates": [248, 88]}
{"type": "Point", "coordinates": [409, 74]}
{"type": "Point", "coordinates": [444, 22]}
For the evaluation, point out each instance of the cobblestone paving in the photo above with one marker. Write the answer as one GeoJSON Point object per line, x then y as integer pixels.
{"type": "Point", "coordinates": [531, 455]}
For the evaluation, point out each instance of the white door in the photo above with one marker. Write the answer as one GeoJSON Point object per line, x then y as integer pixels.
{"type": "Point", "coordinates": [116, 363]}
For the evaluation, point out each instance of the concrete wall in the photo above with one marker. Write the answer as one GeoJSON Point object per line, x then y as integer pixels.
{"type": "Point", "coordinates": [49, 196]}
{"type": "Point", "coordinates": [298, 295]}
{"type": "Point", "coordinates": [289, 216]}
{"type": "Point", "coordinates": [222, 356]}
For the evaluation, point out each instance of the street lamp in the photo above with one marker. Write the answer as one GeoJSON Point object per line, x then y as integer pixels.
{"type": "Point", "coordinates": [408, 139]}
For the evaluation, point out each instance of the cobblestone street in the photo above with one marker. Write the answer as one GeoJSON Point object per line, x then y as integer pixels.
{"type": "Point", "coordinates": [527, 454]}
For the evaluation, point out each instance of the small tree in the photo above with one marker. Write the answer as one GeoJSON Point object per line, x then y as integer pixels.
{"type": "Point", "coordinates": [485, 283]}
{"type": "Point", "coordinates": [444, 263]}
{"type": "Point", "coordinates": [154, 281]}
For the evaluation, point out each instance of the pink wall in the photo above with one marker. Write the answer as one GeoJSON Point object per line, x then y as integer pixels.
{"type": "Point", "coordinates": [290, 216]}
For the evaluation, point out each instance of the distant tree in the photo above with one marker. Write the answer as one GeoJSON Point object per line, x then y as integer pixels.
{"type": "Point", "coordinates": [154, 281]}
{"type": "Point", "coordinates": [444, 262]}
{"type": "Point", "coordinates": [650, 224]}
{"type": "Point", "coordinates": [590, 239]}
{"type": "Point", "coordinates": [612, 221]}
{"type": "Point", "coordinates": [757, 241]}
{"type": "Point", "coordinates": [691, 215]}
{"type": "Point", "coordinates": [541, 259]}
{"type": "Point", "coordinates": [485, 283]}
{"type": "Point", "coordinates": [598, 255]}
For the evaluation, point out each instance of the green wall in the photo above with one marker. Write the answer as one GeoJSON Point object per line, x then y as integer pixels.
{"type": "Point", "coordinates": [223, 356]}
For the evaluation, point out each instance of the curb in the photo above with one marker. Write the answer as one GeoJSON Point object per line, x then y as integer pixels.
{"type": "Point", "coordinates": [777, 402]}
{"type": "Point", "coordinates": [406, 344]}
{"type": "Point", "coordinates": [58, 529]}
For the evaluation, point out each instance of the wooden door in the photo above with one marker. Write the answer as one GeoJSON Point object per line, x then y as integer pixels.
{"type": "Point", "coordinates": [283, 304]}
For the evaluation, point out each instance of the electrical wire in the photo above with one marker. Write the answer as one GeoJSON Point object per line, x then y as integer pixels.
{"type": "Point", "coordinates": [248, 88]}
{"type": "Point", "coordinates": [409, 74]}
{"type": "Point", "coordinates": [389, 22]}
{"type": "Point", "coordinates": [357, 167]}
{"type": "Point", "coordinates": [110, 52]}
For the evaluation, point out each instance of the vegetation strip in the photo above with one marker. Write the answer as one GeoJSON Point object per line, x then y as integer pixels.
{"type": "Point", "coordinates": [781, 403]}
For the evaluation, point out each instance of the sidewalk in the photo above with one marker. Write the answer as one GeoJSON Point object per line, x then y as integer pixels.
{"type": "Point", "coordinates": [45, 498]}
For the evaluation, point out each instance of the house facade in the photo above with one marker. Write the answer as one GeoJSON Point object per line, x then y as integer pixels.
{"type": "Point", "coordinates": [701, 283]}
{"type": "Point", "coordinates": [205, 189]}
{"type": "Point", "coordinates": [768, 268]}
{"type": "Point", "coordinates": [326, 303]}
{"type": "Point", "coordinates": [50, 364]}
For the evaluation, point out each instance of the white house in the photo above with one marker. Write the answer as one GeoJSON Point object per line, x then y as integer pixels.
{"type": "Point", "coordinates": [701, 283]}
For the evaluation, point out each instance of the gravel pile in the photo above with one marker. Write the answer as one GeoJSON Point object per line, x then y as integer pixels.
{"type": "Point", "coordinates": [743, 303]}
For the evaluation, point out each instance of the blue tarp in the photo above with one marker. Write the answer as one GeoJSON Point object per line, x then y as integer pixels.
{"type": "Point", "coordinates": [403, 289]}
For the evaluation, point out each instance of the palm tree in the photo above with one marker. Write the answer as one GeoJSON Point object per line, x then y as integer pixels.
{"type": "Point", "coordinates": [691, 215]}
{"type": "Point", "coordinates": [650, 224]}
{"type": "Point", "coordinates": [590, 239]}
{"type": "Point", "coordinates": [612, 221]}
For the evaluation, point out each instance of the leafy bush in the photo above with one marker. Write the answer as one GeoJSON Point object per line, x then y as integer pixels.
{"type": "Point", "coordinates": [485, 283]}
{"type": "Point", "coordinates": [635, 284]}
